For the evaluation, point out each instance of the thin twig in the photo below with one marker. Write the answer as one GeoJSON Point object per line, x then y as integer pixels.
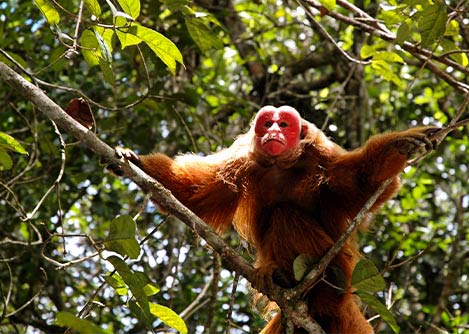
{"type": "Point", "coordinates": [314, 274]}
{"type": "Point", "coordinates": [30, 215]}
{"type": "Point", "coordinates": [320, 29]}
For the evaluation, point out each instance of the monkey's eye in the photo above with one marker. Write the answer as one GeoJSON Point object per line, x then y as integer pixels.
{"type": "Point", "coordinates": [268, 124]}
{"type": "Point", "coordinates": [283, 124]}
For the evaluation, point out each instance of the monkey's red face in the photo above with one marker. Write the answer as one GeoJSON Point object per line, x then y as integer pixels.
{"type": "Point", "coordinates": [277, 129]}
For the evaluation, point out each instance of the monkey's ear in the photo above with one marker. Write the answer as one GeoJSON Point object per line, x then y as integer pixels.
{"type": "Point", "coordinates": [304, 130]}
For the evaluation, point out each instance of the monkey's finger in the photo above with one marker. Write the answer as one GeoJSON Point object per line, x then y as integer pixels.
{"type": "Point", "coordinates": [127, 154]}
{"type": "Point", "coordinates": [115, 169]}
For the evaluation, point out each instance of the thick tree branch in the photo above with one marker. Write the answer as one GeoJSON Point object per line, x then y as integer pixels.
{"type": "Point", "coordinates": [90, 140]}
{"type": "Point", "coordinates": [233, 261]}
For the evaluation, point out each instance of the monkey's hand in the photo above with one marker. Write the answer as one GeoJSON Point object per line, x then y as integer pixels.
{"type": "Point", "coordinates": [269, 274]}
{"type": "Point", "coordinates": [126, 155]}
{"type": "Point", "coordinates": [263, 277]}
{"type": "Point", "coordinates": [413, 140]}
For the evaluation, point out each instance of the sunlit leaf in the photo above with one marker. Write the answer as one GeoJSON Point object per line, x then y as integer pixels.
{"type": "Point", "coordinates": [367, 51]}
{"type": "Point", "coordinates": [161, 46]}
{"type": "Point", "coordinates": [50, 13]}
{"type": "Point", "coordinates": [392, 17]}
{"type": "Point", "coordinates": [329, 4]}
{"type": "Point", "coordinates": [388, 56]}
{"type": "Point", "coordinates": [131, 7]}
{"type": "Point", "coordinates": [107, 35]}
{"type": "Point", "coordinates": [126, 37]}
{"type": "Point", "coordinates": [117, 283]}
{"type": "Point", "coordinates": [94, 7]}
{"type": "Point", "coordinates": [151, 289]}
{"type": "Point", "coordinates": [452, 28]}
{"type": "Point", "coordinates": [90, 48]}
{"type": "Point", "coordinates": [169, 317]}
{"type": "Point", "coordinates": [383, 69]}
{"type": "Point", "coordinates": [7, 142]}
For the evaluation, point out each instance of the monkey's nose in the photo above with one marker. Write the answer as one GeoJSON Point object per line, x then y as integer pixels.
{"type": "Point", "coordinates": [274, 127]}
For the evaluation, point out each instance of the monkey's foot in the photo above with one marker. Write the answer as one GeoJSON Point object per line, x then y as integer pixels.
{"type": "Point", "coordinates": [123, 154]}
{"type": "Point", "coordinates": [415, 139]}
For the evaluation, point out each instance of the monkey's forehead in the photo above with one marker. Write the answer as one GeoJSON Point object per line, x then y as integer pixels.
{"type": "Point", "coordinates": [278, 111]}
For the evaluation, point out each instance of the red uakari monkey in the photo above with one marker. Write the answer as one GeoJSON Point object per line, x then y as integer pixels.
{"type": "Point", "coordinates": [289, 190]}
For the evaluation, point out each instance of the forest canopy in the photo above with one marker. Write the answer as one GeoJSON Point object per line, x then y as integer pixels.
{"type": "Point", "coordinates": [82, 250]}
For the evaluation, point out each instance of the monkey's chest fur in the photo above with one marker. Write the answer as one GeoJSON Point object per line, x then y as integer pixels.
{"type": "Point", "coordinates": [285, 212]}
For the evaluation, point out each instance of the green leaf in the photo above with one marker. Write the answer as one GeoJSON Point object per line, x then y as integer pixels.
{"type": "Point", "coordinates": [131, 7]}
{"type": "Point", "coordinates": [460, 57]}
{"type": "Point", "coordinates": [337, 276]}
{"type": "Point", "coordinates": [103, 47]}
{"type": "Point", "coordinates": [151, 289]}
{"type": "Point", "coordinates": [108, 74]}
{"type": "Point", "coordinates": [329, 4]}
{"type": "Point", "coordinates": [302, 264]}
{"type": "Point", "coordinates": [66, 319]}
{"type": "Point", "coordinates": [94, 7]}
{"type": "Point", "coordinates": [90, 48]}
{"type": "Point", "coordinates": [107, 35]}
{"type": "Point", "coordinates": [388, 57]}
{"type": "Point", "coordinates": [144, 318]}
{"type": "Point", "coordinates": [367, 51]}
{"type": "Point", "coordinates": [383, 69]}
{"type": "Point", "coordinates": [121, 238]}
{"type": "Point", "coordinates": [366, 277]}
{"type": "Point", "coordinates": [175, 5]}
{"type": "Point", "coordinates": [432, 22]}
{"type": "Point", "coordinates": [15, 56]}
{"type": "Point", "coordinates": [404, 33]}
{"type": "Point", "coordinates": [392, 17]}
{"type": "Point", "coordinates": [381, 309]}
{"type": "Point", "coordinates": [50, 13]}
{"type": "Point", "coordinates": [452, 29]}
{"type": "Point", "coordinates": [202, 35]}
{"type": "Point", "coordinates": [117, 283]}
{"type": "Point", "coordinates": [169, 317]}
{"type": "Point", "coordinates": [135, 281]}
{"type": "Point", "coordinates": [5, 159]}
{"type": "Point", "coordinates": [7, 142]}
{"type": "Point", "coordinates": [161, 46]}
{"type": "Point", "coordinates": [125, 37]}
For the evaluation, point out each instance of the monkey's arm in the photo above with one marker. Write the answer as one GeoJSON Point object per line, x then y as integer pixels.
{"type": "Point", "coordinates": [193, 180]}
{"type": "Point", "coordinates": [356, 175]}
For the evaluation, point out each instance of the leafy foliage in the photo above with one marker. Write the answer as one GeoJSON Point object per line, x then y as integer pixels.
{"type": "Point", "coordinates": [178, 76]}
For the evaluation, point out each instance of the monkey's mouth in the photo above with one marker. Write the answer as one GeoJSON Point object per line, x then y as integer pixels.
{"type": "Point", "coordinates": [273, 140]}
{"type": "Point", "coordinates": [274, 146]}
{"type": "Point", "coordinates": [276, 139]}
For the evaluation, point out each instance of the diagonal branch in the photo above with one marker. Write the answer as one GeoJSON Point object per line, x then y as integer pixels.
{"type": "Point", "coordinates": [297, 311]}
{"type": "Point", "coordinates": [90, 140]}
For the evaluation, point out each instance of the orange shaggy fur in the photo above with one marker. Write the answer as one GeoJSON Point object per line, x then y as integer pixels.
{"type": "Point", "coordinates": [290, 205]}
